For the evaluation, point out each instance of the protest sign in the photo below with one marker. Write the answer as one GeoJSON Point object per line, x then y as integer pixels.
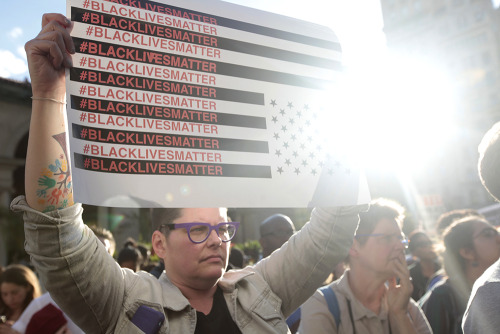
{"type": "Point", "coordinates": [203, 103]}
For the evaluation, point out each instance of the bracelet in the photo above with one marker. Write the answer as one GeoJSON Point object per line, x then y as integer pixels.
{"type": "Point", "coordinates": [47, 99]}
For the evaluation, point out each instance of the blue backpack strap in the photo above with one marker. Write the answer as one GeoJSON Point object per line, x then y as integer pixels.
{"type": "Point", "coordinates": [434, 280]}
{"type": "Point", "coordinates": [333, 304]}
{"type": "Point", "coordinates": [293, 318]}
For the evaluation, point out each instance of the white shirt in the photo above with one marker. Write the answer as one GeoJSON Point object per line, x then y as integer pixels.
{"type": "Point", "coordinates": [36, 305]}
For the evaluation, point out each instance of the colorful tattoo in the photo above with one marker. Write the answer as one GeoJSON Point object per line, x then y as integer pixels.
{"type": "Point", "coordinates": [55, 181]}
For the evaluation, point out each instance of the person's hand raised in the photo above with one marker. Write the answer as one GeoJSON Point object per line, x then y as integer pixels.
{"type": "Point", "coordinates": [48, 55]}
{"type": "Point", "coordinates": [398, 296]}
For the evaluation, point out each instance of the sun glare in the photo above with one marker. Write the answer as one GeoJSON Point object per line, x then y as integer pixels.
{"type": "Point", "coordinates": [394, 115]}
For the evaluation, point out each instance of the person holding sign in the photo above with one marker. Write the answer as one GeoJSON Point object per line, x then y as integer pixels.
{"type": "Point", "coordinates": [194, 294]}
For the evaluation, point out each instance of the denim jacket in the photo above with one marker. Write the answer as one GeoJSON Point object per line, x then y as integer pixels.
{"type": "Point", "coordinates": [100, 297]}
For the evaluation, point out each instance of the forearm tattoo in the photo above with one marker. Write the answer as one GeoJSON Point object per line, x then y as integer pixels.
{"type": "Point", "coordinates": [54, 185]}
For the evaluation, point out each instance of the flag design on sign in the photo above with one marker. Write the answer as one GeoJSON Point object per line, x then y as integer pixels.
{"type": "Point", "coordinates": [164, 89]}
{"type": "Point", "coordinates": [298, 145]}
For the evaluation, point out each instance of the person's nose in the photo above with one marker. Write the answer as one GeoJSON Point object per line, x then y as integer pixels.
{"type": "Point", "coordinates": [214, 239]}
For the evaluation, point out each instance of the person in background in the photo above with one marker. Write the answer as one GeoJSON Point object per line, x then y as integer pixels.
{"type": "Point", "coordinates": [425, 262]}
{"type": "Point", "coordinates": [472, 244]}
{"type": "Point", "coordinates": [447, 218]}
{"type": "Point", "coordinates": [38, 304]}
{"type": "Point", "coordinates": [237, 259]}
{"type": "Point", "coordinates": [106, 237]}
{"type": "Point", "coordinates": [443, 222]}
{"type": "Point", "coordinates": [481, 315]}
{"type": "Point", "coordinates": [18, 287]}
{"type": "Point", "coordinates": [368, 297]}
{"type": "Point", "coordinates": [158, 269]}
{"type": "Point", "coordinates": [274, 232]}
{"type": "Point", "coordinates": [130, 257]}
{"type": "Point", "coordinates": [293, 320]}
{"type": "Point", "coordinates": [146, 264]}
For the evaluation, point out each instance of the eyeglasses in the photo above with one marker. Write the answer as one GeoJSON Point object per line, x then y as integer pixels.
{"type": "Point", "coordinates": [199, 232]}
{"type": "Point", "coordinates": [488, 232]}
{"type": "Point", "coordinates": [387, 239]}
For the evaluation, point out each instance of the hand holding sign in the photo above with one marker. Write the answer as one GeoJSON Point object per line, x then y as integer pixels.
{"type": "Point", "coordinates": [48, 54]}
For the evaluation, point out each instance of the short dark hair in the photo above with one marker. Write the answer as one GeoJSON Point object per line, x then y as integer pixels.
{"type": "Point", "coordinates": [129, 253]}
{"type": "Point", "coordinates": [380, 208]}
{"type": "Point", "coordinates": [272, 221]}
{"type": "Point", "coordinates": [489, 161]}
{"type": "Point", "coordinates": [413, 239]}
{"type": "Point", "coordinates": [163, 216]}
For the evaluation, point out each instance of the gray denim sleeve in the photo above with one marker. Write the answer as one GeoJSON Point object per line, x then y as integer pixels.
{"type": "Point", "coordinates": [82, 278]}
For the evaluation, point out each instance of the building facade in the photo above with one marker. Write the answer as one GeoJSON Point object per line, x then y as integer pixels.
{"type": "Point", "coordinates": [15, 112]}
{"type": "Point", "coordinates": [461, 37]}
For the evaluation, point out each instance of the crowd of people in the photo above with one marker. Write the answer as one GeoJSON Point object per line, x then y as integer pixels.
{"type": "Point", "coordinates": [387, 283]}
{"type": "Point", "coordinates": [348, 270]}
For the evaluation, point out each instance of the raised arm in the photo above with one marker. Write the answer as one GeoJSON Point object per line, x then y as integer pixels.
{"type": "Point", "coordinates": [299, 267]}
{"type": "Point", "coordinates": [48, 174]}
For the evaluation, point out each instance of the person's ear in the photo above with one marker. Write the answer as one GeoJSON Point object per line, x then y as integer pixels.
{"type": "Point", "coordinates": [159, 243]}
{"type": "Point", "coordinates": [467, 253]}
{"type": "Point", "coordinates": [354, 250]}
{"type": "Point", "coordinates": [262, 242]}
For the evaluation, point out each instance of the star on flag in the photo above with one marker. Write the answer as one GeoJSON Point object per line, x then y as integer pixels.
{"type": "Point", "coordinates": [296, 143]}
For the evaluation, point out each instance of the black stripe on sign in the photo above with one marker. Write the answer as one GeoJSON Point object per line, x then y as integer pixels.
{"type": "Point", "coordinates": [222, 43]}
{"type": "Point", "coordinates": [120, 108]}
{"type": "Point", "coordinates": [174, 61]}
{"type": "Point", "coordinates": [123, 137]}
{"type": "Point", "coordinates": [164, 86]}
{"type": "Point", "coordinates": [231, 23]}
{"type": "Point", "coordinates": [148, 167]}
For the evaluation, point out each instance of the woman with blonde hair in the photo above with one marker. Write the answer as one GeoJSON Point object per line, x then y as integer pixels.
{"type": "Point", "coordinates": [18, 287]}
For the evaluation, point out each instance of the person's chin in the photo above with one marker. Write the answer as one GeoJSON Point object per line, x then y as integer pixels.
{"type": "Point", "coordinates": [214, 273]}
{"type": "Point", "coordinates": [216, 268]}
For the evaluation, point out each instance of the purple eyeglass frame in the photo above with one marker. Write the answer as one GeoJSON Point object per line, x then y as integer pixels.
{"type": "Point", "coordinates": [211, 227]}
